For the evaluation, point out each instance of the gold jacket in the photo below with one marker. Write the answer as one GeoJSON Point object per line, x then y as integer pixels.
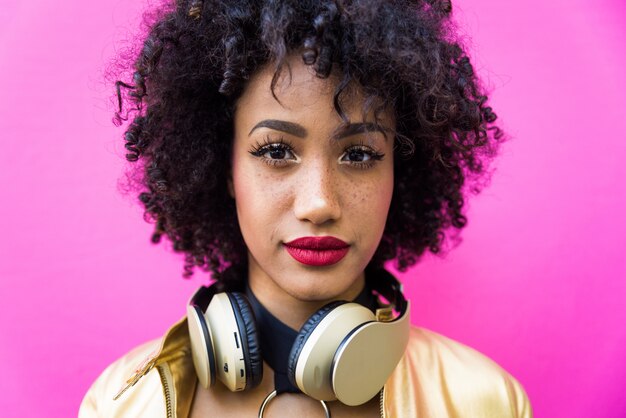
{"type": "Point", "coordinates": [436, 378]}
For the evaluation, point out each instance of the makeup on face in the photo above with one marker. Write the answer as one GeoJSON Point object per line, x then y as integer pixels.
{"type": "Point", "coordinates": [317, 251]}
{"type": "Point", "coordinates": [312, 190]}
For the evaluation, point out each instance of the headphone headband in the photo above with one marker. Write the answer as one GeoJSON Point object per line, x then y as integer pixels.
{"type": "Point", "coordinates": [386, 285]}
{"type": "Point", "coordinates": [203, 296]}
{"type": "Point", "coordinates": [379, 280]}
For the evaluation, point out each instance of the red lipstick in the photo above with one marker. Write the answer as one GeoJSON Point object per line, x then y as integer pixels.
{"type": "Point", "coordinates": [317, 251]}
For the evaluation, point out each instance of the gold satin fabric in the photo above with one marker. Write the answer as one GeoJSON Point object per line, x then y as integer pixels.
{"type": "Point", "coordinates": [439, 377]}
{"type": "Point", "coordinates": [436, 378]}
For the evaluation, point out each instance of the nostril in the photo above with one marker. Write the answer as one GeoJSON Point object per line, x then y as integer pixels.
{"type": "Point", "coordinates": [316, 198]}
{"type": "Point", "coordinates": [317, 208]}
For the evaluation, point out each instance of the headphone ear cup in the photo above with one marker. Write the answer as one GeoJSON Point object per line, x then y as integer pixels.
{"type": "Point", "coordinates": [303, 336]}
{"type": "Point", "coordinates": [311, 361]}
{"type": "Point", "coordinates": [203, 351]}
{"type": "Point", "coordinates": [358, 374]}
{"type": "Point", "coordinates": [251, 347]}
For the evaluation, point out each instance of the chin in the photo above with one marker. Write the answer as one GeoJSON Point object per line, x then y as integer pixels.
{"type": "Point", "coordinates": [318, 286]}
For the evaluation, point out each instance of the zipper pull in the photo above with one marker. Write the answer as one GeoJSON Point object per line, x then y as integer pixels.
{"type": "Point", "coordinates": [141, 371]}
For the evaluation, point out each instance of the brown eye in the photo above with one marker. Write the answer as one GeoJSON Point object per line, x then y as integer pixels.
{"type": "Point", "coordinates": [361, 156]}
{"type": "Point", "coordinates": [277, 152]}
{"type": "Point", "coordinates": [274, 153]}
{"type": "Point", "coordinates": [357, 155]}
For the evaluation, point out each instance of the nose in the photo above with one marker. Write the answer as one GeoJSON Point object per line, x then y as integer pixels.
{"type": "Point", "coordinates": [317, 196]}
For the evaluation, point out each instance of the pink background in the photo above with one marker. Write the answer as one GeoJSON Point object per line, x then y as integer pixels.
{"type": "Point", "coordinates": [538, 283]}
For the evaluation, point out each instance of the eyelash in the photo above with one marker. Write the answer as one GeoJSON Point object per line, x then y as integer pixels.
{"type": "Point", "coordinates": [268, 144]}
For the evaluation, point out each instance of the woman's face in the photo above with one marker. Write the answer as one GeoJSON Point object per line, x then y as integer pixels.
{"type": "Point", "coordinates": [299, 174]}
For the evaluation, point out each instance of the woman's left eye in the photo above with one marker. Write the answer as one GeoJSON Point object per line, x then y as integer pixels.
{"type": "Point", "coordinates": [361, 156]}
{"type": "Point", "coordinates": [357, 155]}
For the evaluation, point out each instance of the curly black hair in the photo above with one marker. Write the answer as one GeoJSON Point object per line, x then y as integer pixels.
{"type": "Point", "coordinates": [195, 61]}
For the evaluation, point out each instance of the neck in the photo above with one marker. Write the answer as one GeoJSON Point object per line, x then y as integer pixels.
{"type": "Point", "coordinates": [294, 310]}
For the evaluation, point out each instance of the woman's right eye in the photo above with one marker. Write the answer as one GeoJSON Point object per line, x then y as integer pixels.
{"type": "Point", "coordinates": [277, 153]}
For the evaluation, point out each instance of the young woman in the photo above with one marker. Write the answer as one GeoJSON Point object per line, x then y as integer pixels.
{"type": "Point", "coordinates": [291, 148]}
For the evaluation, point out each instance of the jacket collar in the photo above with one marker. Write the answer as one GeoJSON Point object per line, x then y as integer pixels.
{"type": "Point", "coordinates": [174, 352]}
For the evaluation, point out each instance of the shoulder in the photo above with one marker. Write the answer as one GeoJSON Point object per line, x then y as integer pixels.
{"type": "Point", "coordinates": [447, 378]}
{"type": "Point", "coordinates": [98, 401]}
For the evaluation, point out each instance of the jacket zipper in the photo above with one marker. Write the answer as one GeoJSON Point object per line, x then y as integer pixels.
{"type": "Point", "coordinates": [382, 407]}
{"type": "Point", "coordinates": [166, 381]}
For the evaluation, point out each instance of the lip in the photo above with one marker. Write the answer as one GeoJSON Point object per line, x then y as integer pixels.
{"type": "Point", "coordinates": [317, 251]}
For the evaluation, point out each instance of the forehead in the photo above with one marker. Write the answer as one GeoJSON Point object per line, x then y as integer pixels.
{"type": "Point", "coordinates": [300, 93]}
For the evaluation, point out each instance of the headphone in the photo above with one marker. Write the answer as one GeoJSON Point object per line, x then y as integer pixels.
{"type": "Point", "coordinates": [343, 351]}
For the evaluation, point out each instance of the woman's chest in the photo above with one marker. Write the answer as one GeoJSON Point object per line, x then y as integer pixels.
{"type": "Point", "coordinates": [219, 402]}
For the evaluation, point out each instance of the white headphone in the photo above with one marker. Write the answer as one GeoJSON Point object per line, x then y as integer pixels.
{"type": "Point", "coordinates": [343, 351]}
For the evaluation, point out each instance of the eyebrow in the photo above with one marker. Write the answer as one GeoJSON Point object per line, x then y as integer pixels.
{"type": "Point", "coordinates": [358, 128]}
{"type": "Point", "coordinates": [299, 131]}
{"type": "Point", "coordinates": [281, 125]}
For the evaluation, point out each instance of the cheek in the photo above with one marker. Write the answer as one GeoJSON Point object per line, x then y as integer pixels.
{"type": "Point", "coordinates": [385, 188]}
{"type": "Point", "coordinates": [258, 195]}
{"type": "Point", "coordinates": [372, 199]}
{"type": "Point", "coordinates": [368, 205]}
{"type": "Point", "coordinates": [247, 196]}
